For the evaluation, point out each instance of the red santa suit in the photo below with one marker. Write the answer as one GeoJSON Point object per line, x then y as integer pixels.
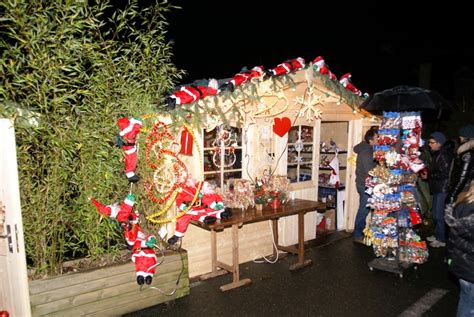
{"type": "Point", "coordinates": [322, 68]}
{"type": "Point", "coordinates": [192, 93]}
{"type": "Point", "coordinates": [123, 213]}
{"type": "Point", "coordinates": [143, 255]}
{"type": "Point", "coordinates": [297, 63]}
{"type": "Point", "coordinates": [345, 80]}
{"type": "Point", "coordinates": [129, 130]}
{"type": "Point", "coordinates": [288, 66]}
{"type": "Point", "coordinates": [243, 77]}
{"type": "Point", "coordinates": [209, 204]}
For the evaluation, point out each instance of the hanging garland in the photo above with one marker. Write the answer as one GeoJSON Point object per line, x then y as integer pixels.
{"type": "Point", "coordinates": [171, 194]}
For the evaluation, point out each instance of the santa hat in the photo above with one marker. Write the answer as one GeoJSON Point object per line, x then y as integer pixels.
{"type": "Point", "coordinates": [345, 77]}
{"type": "Point", "coordinates": [258, 69]}
{"type": "Point", "coordinates": [101, 208]}
{"type": "Point", "coordinates": [126, 125]}
{"type": "Point", "coordinates": [298, 63]}
{"type": "Point", "coordinates": [123, 123]}
{"type": "Point", "coordinates": [318, 61]}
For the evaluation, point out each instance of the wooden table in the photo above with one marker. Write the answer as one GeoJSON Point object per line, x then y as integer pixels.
{"type": "Point", "coordinates": [251, 215]}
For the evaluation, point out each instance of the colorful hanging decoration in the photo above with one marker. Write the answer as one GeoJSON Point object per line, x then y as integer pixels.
{"type": "Point", "coordinates": [392, 186]}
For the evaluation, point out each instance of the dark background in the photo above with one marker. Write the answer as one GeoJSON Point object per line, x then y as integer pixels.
{"type": "Point", "coordinates": [381, 43]}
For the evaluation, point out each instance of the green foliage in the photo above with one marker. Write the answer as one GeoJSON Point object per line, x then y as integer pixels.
{"type": "Point", "coordinates": [69, 70]}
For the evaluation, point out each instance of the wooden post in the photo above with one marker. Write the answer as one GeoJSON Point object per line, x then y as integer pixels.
{"type": "Point", "coordinates": [14, 296]}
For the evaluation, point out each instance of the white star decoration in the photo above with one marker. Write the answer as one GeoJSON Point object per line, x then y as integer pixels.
{"type": "Point", "coordinates": [309, 104]}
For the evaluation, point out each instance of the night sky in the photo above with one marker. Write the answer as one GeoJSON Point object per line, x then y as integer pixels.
{"type": "Point", "coordinates": [382, 43]}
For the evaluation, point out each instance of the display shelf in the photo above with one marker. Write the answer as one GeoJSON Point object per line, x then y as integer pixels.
{"type": "Point", "coordinates": [332, 152]}
{"type": "Point", "coordinates": [328, 168]}
{"type": "Point", "coordinates": [341, 187]}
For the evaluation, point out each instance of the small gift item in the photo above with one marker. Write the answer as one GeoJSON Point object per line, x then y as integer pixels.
{"type": "Point", "coordinates": [239, 194]}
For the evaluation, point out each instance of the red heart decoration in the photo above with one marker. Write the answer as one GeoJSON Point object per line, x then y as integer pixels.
{"type": "Point", "coordinates": [281, 126]}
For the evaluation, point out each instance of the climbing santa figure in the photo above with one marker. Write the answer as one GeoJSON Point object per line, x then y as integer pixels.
{"type": "Point", "coordinates": [243, 77]}
{"type": "Point", "coordinates": [322, 67]}
{"type": "Point", "coordinates": [123, 212]}
{"type": "Point", "coordinates": [287, 66]}
{"type": "Point", "coordinates": [345, 80]}
{"type": "Point", "coordinates": [143, 255]}
{"type": "Point", "coordinates": [191, 93]}
{"type": "Point", "coordinates": [207, 207]}
{"type": "Point", "coordinates": [129, 130]}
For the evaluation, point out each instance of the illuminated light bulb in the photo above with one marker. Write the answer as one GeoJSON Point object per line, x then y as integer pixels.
{"type": "Point", "coordinates": [338, 103]}
{"type": "Point", "coordinates": [354, 111]}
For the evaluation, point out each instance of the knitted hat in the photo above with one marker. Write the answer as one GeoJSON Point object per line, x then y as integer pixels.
{"type": "Point", "coordinates": [467, 131]}
{"type": "Point", "coordinates": [439, 137]}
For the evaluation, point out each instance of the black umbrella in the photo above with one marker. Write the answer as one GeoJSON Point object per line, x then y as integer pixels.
{"type": "Point", "coordinates": [403, 98]}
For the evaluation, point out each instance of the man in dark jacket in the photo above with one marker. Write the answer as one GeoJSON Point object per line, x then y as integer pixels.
{"type": "Point", "coordinates": [463, 170]}
{"type": "Point", "coordinates": [460, 219]}
{"type": "Point", "coordinates": [441, 158]}
{"type": "Point", "coordinates": [365, 162]}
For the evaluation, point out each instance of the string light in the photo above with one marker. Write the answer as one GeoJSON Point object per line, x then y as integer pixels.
{"type": "Point", "coordinates": [153, 218]}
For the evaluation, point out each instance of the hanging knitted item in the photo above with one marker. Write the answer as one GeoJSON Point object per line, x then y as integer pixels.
{"type": "Point", "coordinates": [186, 142]}
{"type": "Point", "coordinates": [334, 179]}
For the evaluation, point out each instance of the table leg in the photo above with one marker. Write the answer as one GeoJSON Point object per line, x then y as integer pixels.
{"type": "Point", "coordinates": [214, 251]}
{"type": "Point", "coordinates": [236, 281]}
{"type": "Point", "coordinates": [275, 236]}
{"type": "Point", "coordinates": [301, 261]}
{"type": "Point", "coordinates": [214, 263]}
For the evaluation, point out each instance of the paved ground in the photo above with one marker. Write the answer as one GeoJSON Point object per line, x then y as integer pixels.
{"type": "Point", "coordinates": [339, 283]}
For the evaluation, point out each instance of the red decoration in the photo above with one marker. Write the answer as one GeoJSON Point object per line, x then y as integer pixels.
{"type": "Point", "coordinates": [281, 126]}
{"type": "Point", "coordinates": [186, 143]}
{"type": "Point", "coordinates": [415, 217]}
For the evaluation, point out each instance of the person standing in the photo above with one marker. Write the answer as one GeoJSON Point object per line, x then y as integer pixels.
{"type": "Point", "coordinates": [462, 171]}
{"type": "Point", "coordinates": [460, 219]}
{"type": "Point", "coordinates": [365, 162]}
{"type": "Point", "coordinates": [441, 158]}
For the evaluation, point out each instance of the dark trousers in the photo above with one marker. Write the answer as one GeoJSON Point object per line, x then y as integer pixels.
{"type": "Point", "coordinates": [362, 213]}
{"type": "Point", "coordinates": [438, 215]}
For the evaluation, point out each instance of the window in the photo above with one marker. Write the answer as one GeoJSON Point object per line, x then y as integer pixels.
{"type": "Point", "coordinates": [222, 144]}
{"type": "Point", "coordinates": [300, 154]}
